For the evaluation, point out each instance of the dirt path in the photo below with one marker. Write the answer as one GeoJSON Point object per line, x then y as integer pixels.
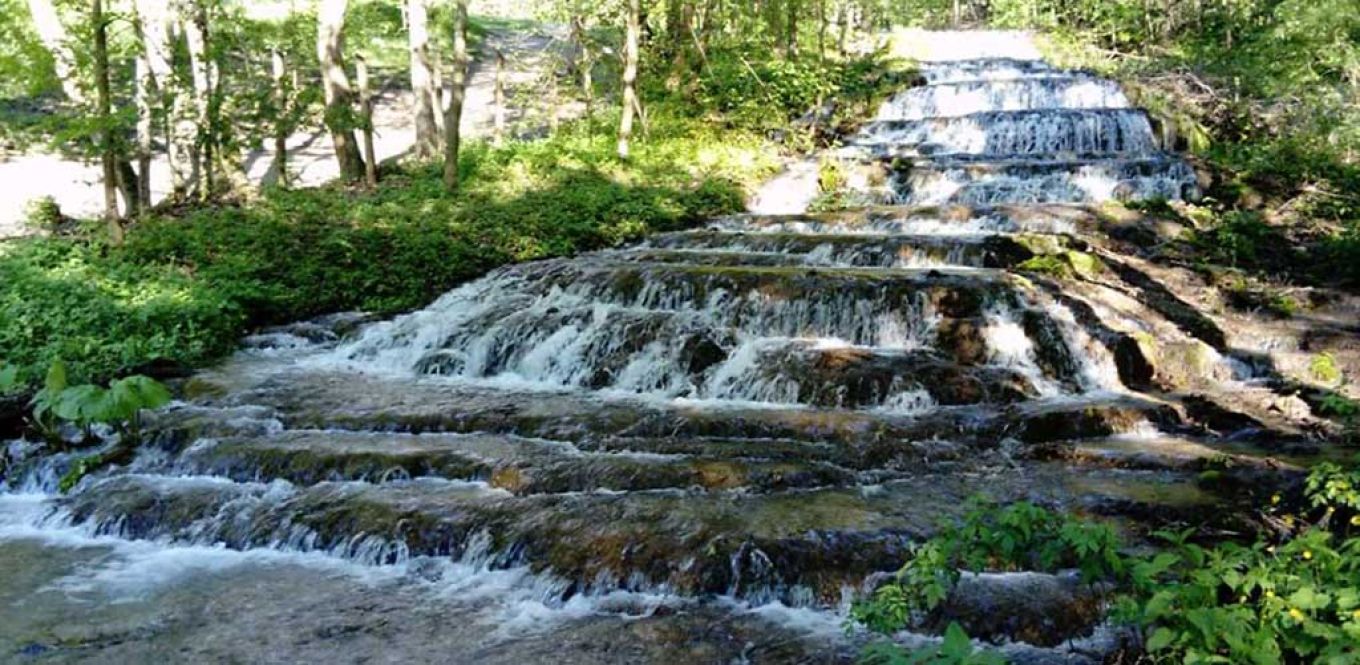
{"type": "Point", "coordinates": [75, 185]}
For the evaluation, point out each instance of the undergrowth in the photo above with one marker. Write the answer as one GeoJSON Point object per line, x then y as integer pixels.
{"type": "Point", "coordinates": [183, 288]}
{"type": "Point", "coordinates": [1291, 596]}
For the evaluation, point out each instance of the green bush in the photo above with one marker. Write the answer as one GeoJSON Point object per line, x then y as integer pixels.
{"type": "Point", "coordinates": [1284, 599]}
{"type": "Point", "coordinates": [185, 288]}
{"type": "Point", "coordinates": [1021, 536]}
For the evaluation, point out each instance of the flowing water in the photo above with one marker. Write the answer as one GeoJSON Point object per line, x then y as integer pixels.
{"type": "Point", "coordinates": [691, 450]}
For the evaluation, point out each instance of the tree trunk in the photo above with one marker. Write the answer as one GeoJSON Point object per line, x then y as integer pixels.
{"type": "Point", "coordinates": [453, 118]}
{"type": "Point", "coordinates": [366, 117]}
{"type": "Point", "coordinates": [422, 81]}
{"type": "Point", "coordinates": [104, 108]}
{"type": "Point", "coordinates": [281, 125]}
{"type": "Point", "coordinates": [339, 96]}
{"type": "Point", "coordinates": [53, 36]}
{"type": "Point", "coordinates": [791, 46]}
{"type": "Point", "coordinates": [145, 93]}
{"type": "Point", "coordinates": [587, 63]}
{"type": "Point", "coordinates": [156, 25]}
{"type": "Point", "coordinates": [439, 106]}
{"type": "Point", "coordinates": [194, 26]}
{"type": "Point", "coordinates": [630, 73]}
{"type": "Point", "coordinates": [498, 129]}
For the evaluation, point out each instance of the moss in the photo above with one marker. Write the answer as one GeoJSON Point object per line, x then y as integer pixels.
{"type": "Point", "coordinates": [1067, 264]}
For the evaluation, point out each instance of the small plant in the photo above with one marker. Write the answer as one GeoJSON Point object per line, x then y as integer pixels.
{"type": "Point", "coordinates": [1323, 367]}
{"type": "Point", "coordinates": [830, 176]}
{"type": "Point", "coordinates": [9, 379]}
{"type": "Point", "coordinates": [1020, 536]}
{"type": "Point", "coordinates": [85, 405]}
{"type": "Point", "coordinates": [43, 214]}
{"type": "Point", "coordinates": [956, 649]}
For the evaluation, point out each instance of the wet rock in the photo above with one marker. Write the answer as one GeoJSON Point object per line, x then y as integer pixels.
{"type": "Point", "coordinates": [1035, 608]}
{"type": "Point", "coordinates": [13, 416]}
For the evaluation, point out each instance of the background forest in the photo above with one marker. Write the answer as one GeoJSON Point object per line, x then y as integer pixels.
{"type": "Point", "coordinates": [646, 116]}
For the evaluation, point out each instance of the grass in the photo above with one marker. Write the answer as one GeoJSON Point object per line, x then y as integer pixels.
{"type": "Point", "coordinates": [184, 289]}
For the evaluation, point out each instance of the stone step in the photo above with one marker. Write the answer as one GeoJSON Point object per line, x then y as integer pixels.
{"type": "Point", "coordinates": [518, 465]}
{"type": "Point", "coordinates": [1016, 133]}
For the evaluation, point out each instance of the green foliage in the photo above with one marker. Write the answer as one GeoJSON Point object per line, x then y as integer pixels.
{"type": "Point", "coordinates": [43, 214]}
{"type": "Point", "coordinates": [87, 404]}
{"type": "Point", "coordinates": [9, 379]}
{"type": "Point", "coordinates": [1237, 239]}
{"type": "Point", "coordinates": [185, 288]}
{"type": "Point", "coordinates": [103, 313]}
{"type": "Point", "coordinates": [956, 649]}
{"type": "Point", "coordinates": [1295, 600]}
{"type": "Point", "coordinates": [1323, 368]}
{"type": "Point", "coordinates": [1020, 536]}
{"type": "Point", "coordinates": [1067, 264]}
{"type": "Point", "coordinates": [81, 468]}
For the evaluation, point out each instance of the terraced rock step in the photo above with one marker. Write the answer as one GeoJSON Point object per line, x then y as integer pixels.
{"type": "Point", "coordinates": [777, 545]}
{"type": "Point", "coordinates": [981, 183]}
{"type": "Point", "coordinates": [1017, 133]}
{"type": "Point", "coordinates": [789, 249]}
{"type": "Point", "coordinates": [967, 97]}
{"type": "Point", "coordinates": [771, 408]}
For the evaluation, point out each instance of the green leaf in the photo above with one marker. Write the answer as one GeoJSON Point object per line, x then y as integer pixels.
{"type": "Point", "coordinates": [9, 379]}
{"type": "Point", "coordinates": [1160, 639]}
{"type": "Point", "coordinates": [56, 378]}
{"type": "Point", "coordinates": [957, 646]}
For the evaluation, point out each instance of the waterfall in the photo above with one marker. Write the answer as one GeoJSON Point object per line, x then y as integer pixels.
{"type": "Point", "coordinates": [746, 420]}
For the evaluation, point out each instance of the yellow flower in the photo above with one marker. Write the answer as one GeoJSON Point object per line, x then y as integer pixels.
{"type": "Point", "coordinates": [1307, 555]}
{"type": "Point", "coordinates": [1295, 614]}
{"type": "Point", "coordinates": [1355, 521]}
{"type": "Point", "coordinates": [1270, 594]}
{"type": "Point", "coordinates": [1274, 499]}
{"type": "Point", "coordinates": [1356, 615]}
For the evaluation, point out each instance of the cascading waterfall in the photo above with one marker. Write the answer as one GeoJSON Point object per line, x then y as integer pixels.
{"type": "Point", "coordinates": [753, 410]}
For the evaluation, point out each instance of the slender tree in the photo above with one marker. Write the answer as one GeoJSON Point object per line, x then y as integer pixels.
{"type": "Point", "coordinates": [423, 81]}
{"type": "Point", "coordinates": [339, 96]}
{"type": "Point", "coordinates": [630, 74]}
{"type": "Point", "coordinates": [498, 130]}
{"type": "Point", "coordinates": [282, 104]}
{"type": "Point", "coordinates": [366, 121]}
{"type": "Point", "coordinates": [453, 117]}
{"type": "Point", "coordinates": [104, 108]}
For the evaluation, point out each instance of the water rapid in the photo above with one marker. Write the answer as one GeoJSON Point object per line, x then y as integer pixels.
{"type": "Point", "coordinates": [690, 450]}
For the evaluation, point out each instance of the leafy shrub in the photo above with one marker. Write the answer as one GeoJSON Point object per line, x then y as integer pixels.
{"type": "Point", "coordinates": [120, 405]}
{"type": "Point", "coordinates": [185, 288]}
{"type": "Point", "coordinates": [1323, 368]}
{"type": "Point", "coordinates": [1020, 536]}
{"type": "Point", "coordinates": [1295, 599]}
{"type": "Point", "coordinates": [1239, 239]}
{"type": "Point", "coordinates": [956, 649]}
{"type": "Point", "coordinates": [42, 214]}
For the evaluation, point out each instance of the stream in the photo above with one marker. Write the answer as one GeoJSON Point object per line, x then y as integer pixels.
{"type": "Point", "coordinates": [691, 450]}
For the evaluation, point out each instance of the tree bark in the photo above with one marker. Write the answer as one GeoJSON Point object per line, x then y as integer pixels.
{"type": "Point", "coordinates": [366, 116]}
{"type": "Point", "coordinates": [339, 96]}
{"type": "Point", "coordinates": [453, 118]}
{"type": "Point", "coordinates": [587, 62]}
{"type": "Point", "coordinates": [281, 113]}
{"type": "Point", "coordinates": [104, 108]}
{"type": "Point", "coordinates": [422, 81]}
{"type": "Point", "coordinates": [194, 25]}
{"type": "Point", "coordinates": [630, 73]}
{"type": "Point", "coordinates": [145, 93]}
{"type": "Point", "coordinates": [498, 129]}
